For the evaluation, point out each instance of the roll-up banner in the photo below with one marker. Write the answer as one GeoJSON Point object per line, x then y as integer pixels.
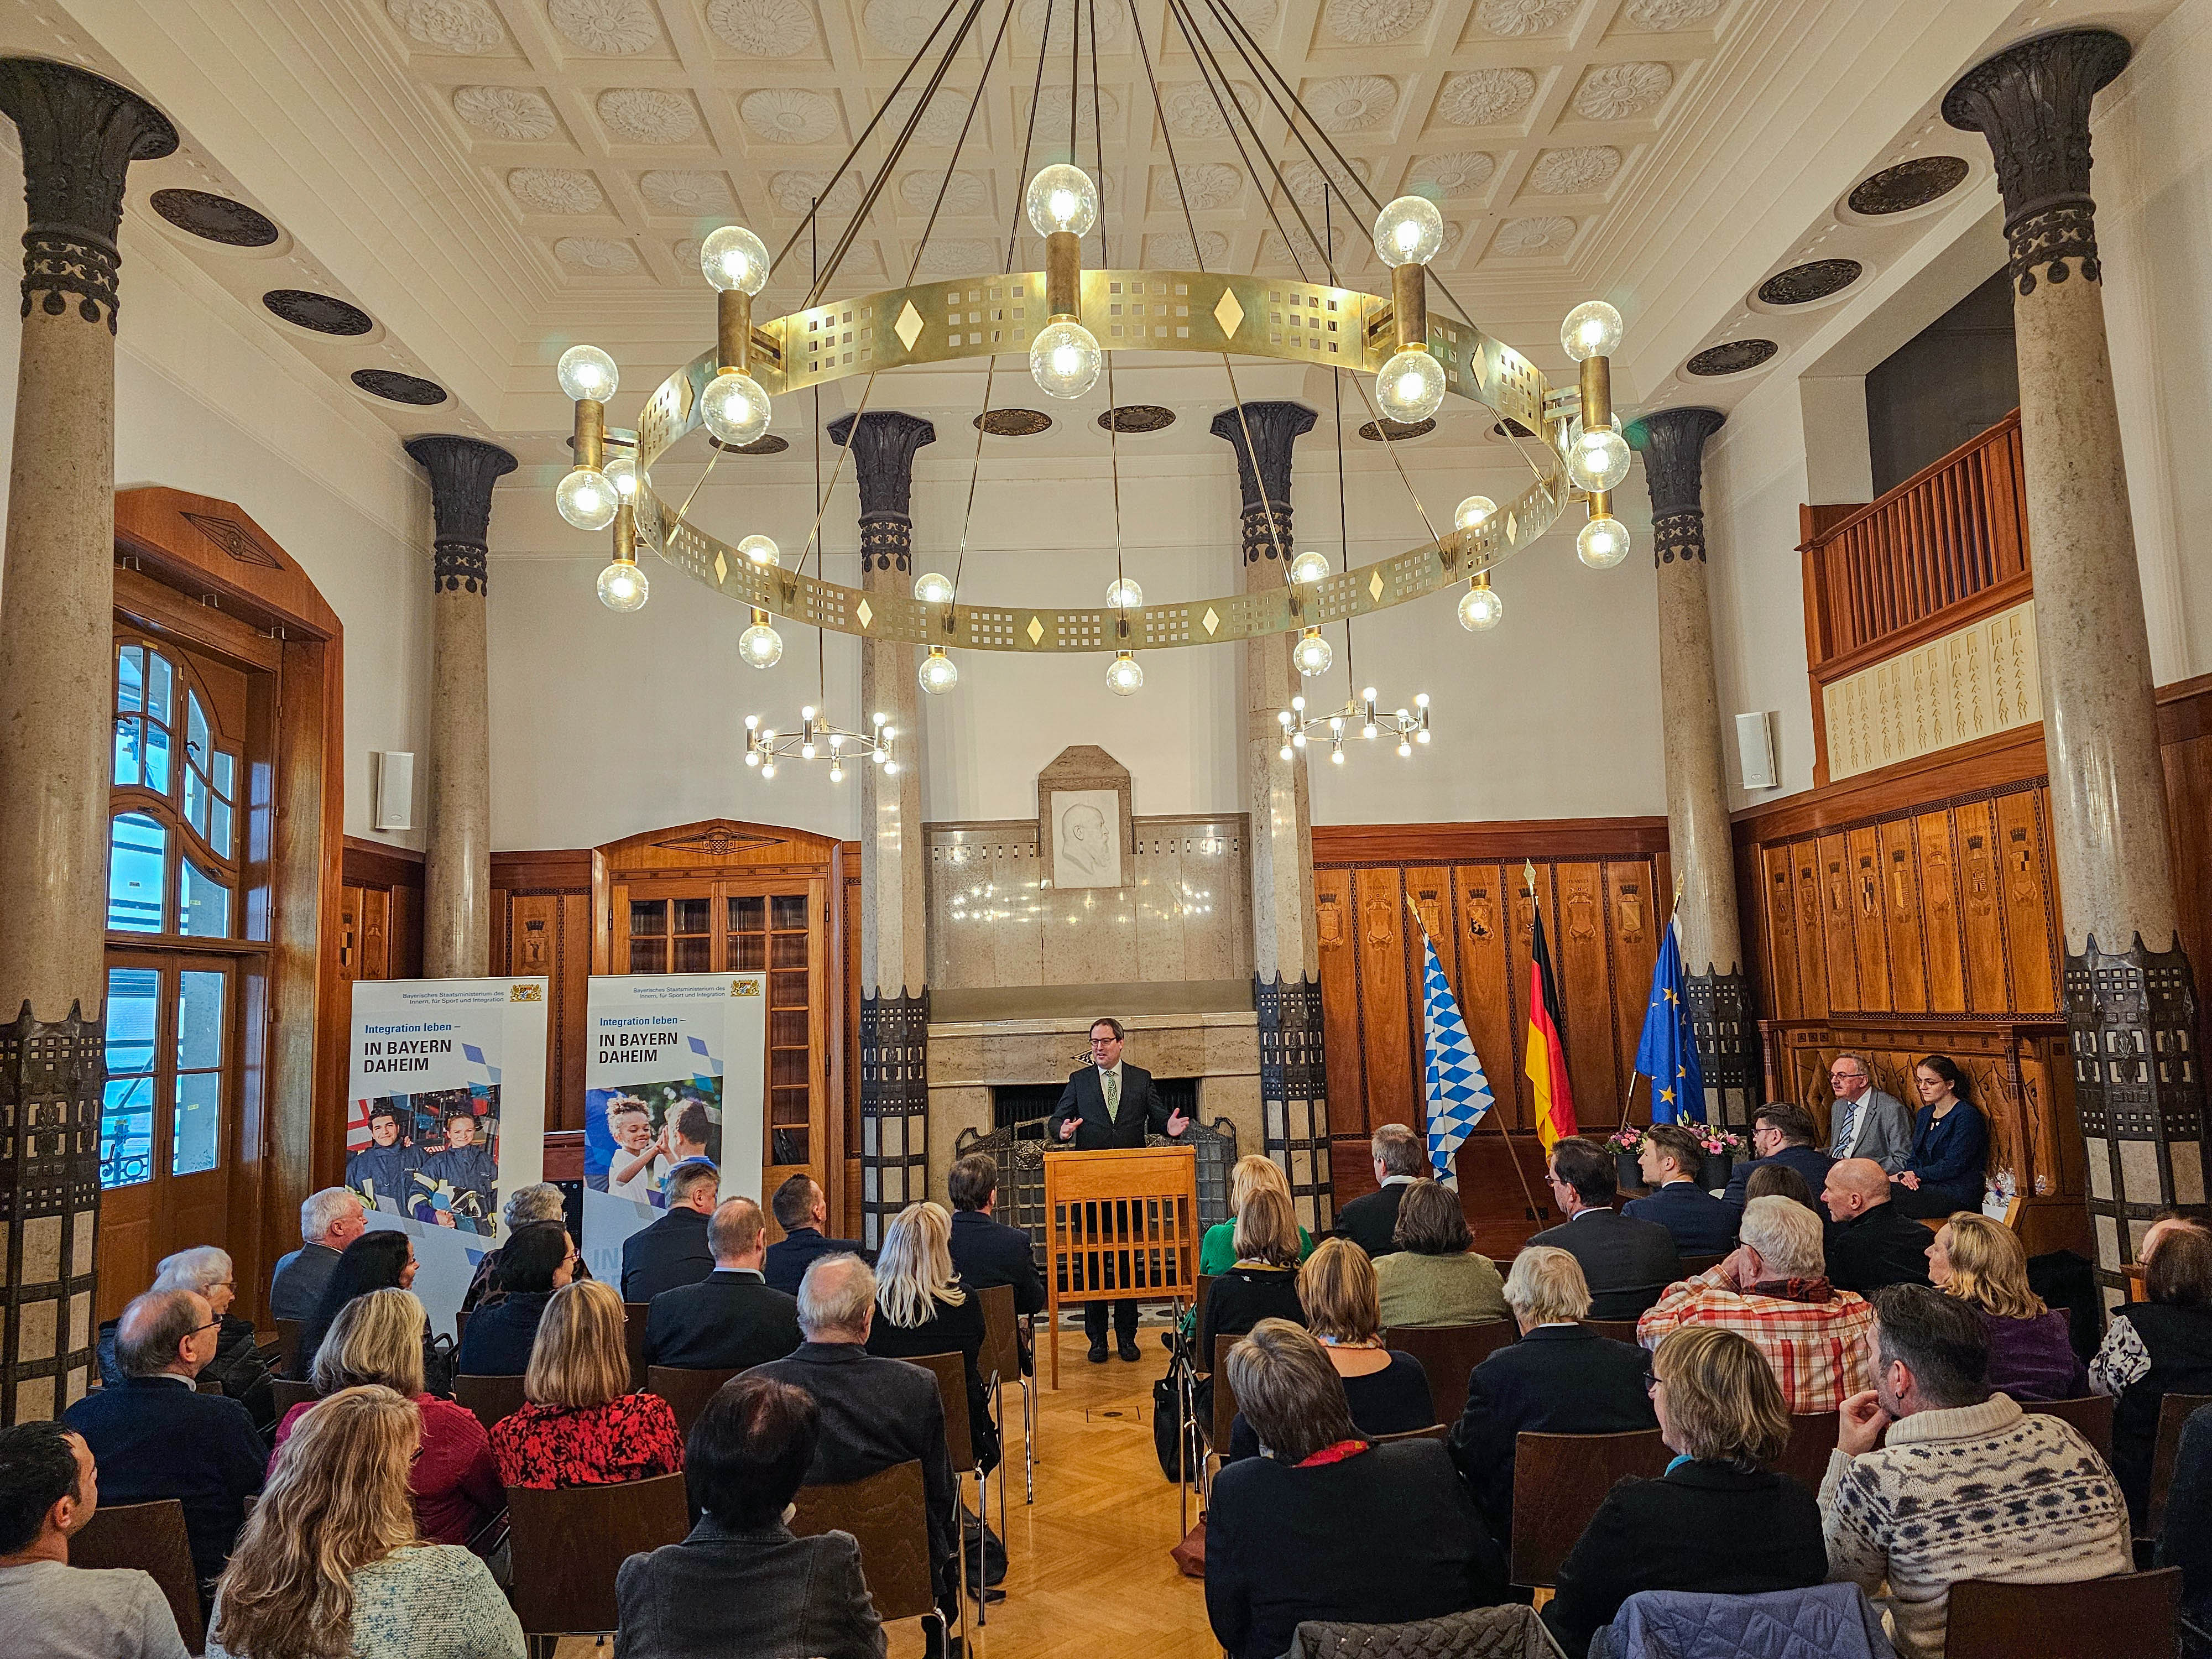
{"type": "Point", "coordinates": [445, 1117]}
{"type": "Point", "coordinates": [677, 1069]}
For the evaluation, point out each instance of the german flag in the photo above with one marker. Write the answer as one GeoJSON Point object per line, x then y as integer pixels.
{"type": "Point", "coordinates": [1545, 1064]}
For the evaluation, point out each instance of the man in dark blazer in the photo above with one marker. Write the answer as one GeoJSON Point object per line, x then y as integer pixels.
{"type": "Point", "coordinates": [1871, 1242]}
{"type": "Point", "coordinates": [1782, 1133]}
{"type": "Point", "coordinates": [329, 1221]}
{"type": "Point", "coordinates": [1371, 1221]}
{"type": "Point", "coordinates": [1671, 1157]}
{"type": "Point", "coordinates": [1108, 1105]}
{"type": "Point", "coordinates": [156, 1436]}
{"type": "Point", "coordinates": [673, 1250]}
{"type": "Point", "coordinates": [1628, 1263]}
{"type": "Point", "coordinates": [985, 1251]}
{"type": "Point", "coordinates": [732, 1319]}
{"type": "Point", "coordinates": [802, 1210]}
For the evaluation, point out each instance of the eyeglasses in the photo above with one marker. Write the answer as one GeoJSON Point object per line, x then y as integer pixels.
{"type": "Point", "coordinates": [1846, 1076]}
{"type": "Point", "coordinates": [1651, 1382]}
{"type": "Point", "coordinates": [212, 1325]}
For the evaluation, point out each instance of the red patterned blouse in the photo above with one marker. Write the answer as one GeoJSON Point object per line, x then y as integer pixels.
{"type": "Point", "coordinates": [632, 1438]}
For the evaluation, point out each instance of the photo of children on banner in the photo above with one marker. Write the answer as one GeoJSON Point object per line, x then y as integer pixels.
{"type": "Point", "coordinates": [433, 1157]}
{"type": "Point", "coordinates": [633, 1137]}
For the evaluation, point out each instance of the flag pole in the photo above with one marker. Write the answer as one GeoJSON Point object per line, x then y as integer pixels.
{"type": "Point", "coordinates": [1630, 1093]}
{"type": "Point", "coordinates": [1535, 1210]}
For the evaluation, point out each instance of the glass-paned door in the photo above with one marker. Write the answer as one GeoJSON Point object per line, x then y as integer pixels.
{"type": "Point", "coordinates": [774, 933]}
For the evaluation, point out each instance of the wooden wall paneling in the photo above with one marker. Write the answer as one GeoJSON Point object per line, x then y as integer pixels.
{"type": "Point", "coordinates": [1870, 920]}
{"type": "Point", "coordinates": [1902, 915]}
{"type": "Point", "coordinates": [1525, 907]}
{"type": "Point", "coordinates": [1586, 988]}
{"type": "Point", "coordinates": [371, 933]}
{"type": "Point", "coordinates": [1840, 936]}
{"type": "Point", "coordinates": [1988, 984]}
{"type": "Point", "coordinates": [1386, 1059]}
{"type": "Point", "coordinates": [1777, 913]}
{"type": "Point", "coordinates": [1635, 914]}
{"type": "Point", "coordinates": [1486, 988]}
{"type": "Point", "coordinates": [1942, 929]}
{"type": "Point", "coordinates": [1430, 889]}
{"type": "Point", "coordinates": [1811, 899]}
{"type": "Point", "coordinates": [1336, 918]}
{"type": "Point", "coordinates": [2031, 946]}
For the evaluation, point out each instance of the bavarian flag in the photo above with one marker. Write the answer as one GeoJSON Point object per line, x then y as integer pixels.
{"type": "Point", "coordinates": [1545, 1064]}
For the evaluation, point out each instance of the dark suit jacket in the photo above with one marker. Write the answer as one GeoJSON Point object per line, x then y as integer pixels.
{"type": "Point", "coordinates": [1701, 1224]}
{"type": "Point", "coordinates": [1881, 1246]}
{"type": "Point", "coordinates": [672, 1251]}
{"type": "Point", "coordinates": [875, 1413]}
{"type": "Point", "coordinates": [154, 1439]}
{"type": "Point", "coordinates": [1371, 1219]}
{"type": "Point", "coordinates": [1141, 1108]}
{"type": "Point", "coordinates": [1628, 1262]}
{"type": "Point", "coordinates": [730, 1320]}
{"type": "Point", "coordinates": [790, 1256]}
{"type": "Point", "coordinates": [499, 1339]}
{"type": "Point", "coordinates": [1808, 1161]}
{"type": "Point", "coordinates": [297, 1283]}
{"type": "Point", "coordinates": [756, 1595]}
{"type": "Point", "coordinates": [1557, 1379]}
{"type": "Point", "coordinates": [987, 1253]}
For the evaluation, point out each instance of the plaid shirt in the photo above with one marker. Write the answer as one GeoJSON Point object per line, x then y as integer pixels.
{"type": "Point", "coordinates": [1821, 1351]}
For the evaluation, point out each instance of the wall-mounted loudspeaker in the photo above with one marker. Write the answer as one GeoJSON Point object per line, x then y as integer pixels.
{"type": "Point", "coordinates": [395, 789]}
{"type": "Point", "coordinates": [1754, 748]}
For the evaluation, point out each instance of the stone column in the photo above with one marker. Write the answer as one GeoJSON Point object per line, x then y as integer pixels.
{"type": "Point", "coordinates": [894, 957]}
{"type": "Point", "coordinates": [1286, 948]}
{"type": "Point", "coordinates": [2131, 996]}
{"type": "Point", "coordinates": [1672, 442]}
{"type": "Point", "coordinates": [456, 850]}
{"type": "Point", "coordinates": [79, 134]}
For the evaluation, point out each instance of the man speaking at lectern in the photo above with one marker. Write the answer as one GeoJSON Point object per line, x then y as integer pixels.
{"type": "Point", "coordinates": [1108, 1105]}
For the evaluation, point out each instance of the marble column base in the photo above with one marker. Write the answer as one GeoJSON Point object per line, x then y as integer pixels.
{"type": "Point", "coordinates": [1294, 1094]}
{"type": "Point", "coordinates": [52, 1074]}
{"type": "Point", "coordinates": [894, 1109]}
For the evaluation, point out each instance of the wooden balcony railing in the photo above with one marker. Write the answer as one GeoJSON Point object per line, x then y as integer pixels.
{"type": "Point", "coordinates": [1947, 544]}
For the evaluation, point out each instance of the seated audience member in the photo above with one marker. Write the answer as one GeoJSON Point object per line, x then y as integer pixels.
{"type": "Point", "coordinates": [1217, 1249]}
{"type": "Point", "coordinates": [1263, 1281]}
{"type": "Point", "coordinates": [1917, 1511]}
{"type": "Point", "coordinates": [582, 1425]}
{"type": "Point", "coordinates": [875, 1413]}
{"type": "Point", "coordinates": [1870, 1242]}
{"type": "Point", "coordinates": [1771, 1180]}
{"type": "Point", "coordinates": [1371, 1221]}
{"type": "Point", "coordinates": [155, 1436]}
{"type": "Point", "coordinates": [740, 1586]}
{"type": "Point", "coordinates": [2166, 1221]}
{"type": "Point", "coordinates": [1984, 1264]}
{"type": "Point", "coordinates": [1772, 1290]}
{"type": "Point", "coordinates": [1561, 1377]}
{"type": "Point", "coordinates": [673, 1250]}
{"type": "Point", "coordinates": [538, 1205]}
{"type": "Point", "coordinates": [1625, 1263]}
{"type": "Point", "coordinates": [2184, 1541]}
{"type": "Point", "coordinates": [237, 1364]}
{"type": "Point", "coordinates": [49, 1488]}
{"type": "Point", "coordinates": [378, 1338]}
{"type": "Point", "coordinates": [1863, 1121]}
{"type": "Point", "coordinates": [330, 1565]}
{"type": "Point", "coordinates": [732, 1320]}
{"type": "Point", "coordinates": [1327, 1526]}
{"type": "Point", "coordinates": [1950, 1145]}
{"type": "Point", "coordinates": [533, 1264]}
{"type": "Point", "coordinates": [802, 1210]}
{"type": "Point", "coordinates": [1672, 1158]}
{"type": "Point", "coordinates": [1719, 1521]}
{"type": "Point", "coordinates": [1433, 1275]}
{"type": "Point", "coordinates": [986, 1252]}
{"type": "Point", "coordinates": [382, 1258]}
{"type": "Point", "coordinates": [1782, 1134]}
{"type": "Point", "coordinates": [2159, 1346]}
{"type": "Point", "coordinates": [329, 1221]}
{"type": "Point", "coordinates": [1388, 1391]}
{"type": "Point", "coordinates": [922, 1308]}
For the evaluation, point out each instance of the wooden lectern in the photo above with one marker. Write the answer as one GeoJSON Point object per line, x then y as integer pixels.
{"type": "Point", "coordinates": [1119, 1226]}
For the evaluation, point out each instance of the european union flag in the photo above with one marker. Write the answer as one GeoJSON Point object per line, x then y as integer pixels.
{"type": "Point", "coordinates": [1667, 1053]}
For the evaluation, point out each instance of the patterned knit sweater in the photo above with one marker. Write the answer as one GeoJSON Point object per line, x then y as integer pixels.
{"type": "Point", "coordinates": [1977, 1491]}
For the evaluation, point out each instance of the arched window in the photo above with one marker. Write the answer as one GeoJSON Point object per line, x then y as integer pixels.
{"type": "Point", "coordinates": [173, 852]}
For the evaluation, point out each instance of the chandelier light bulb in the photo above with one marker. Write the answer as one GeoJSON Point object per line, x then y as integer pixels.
{"type": "Point", "coordinates": [932, 588]}
{"type": "Point", "coordinates": [1472, 513]}
{"type": "Point", "coordinates": [837, 773]}
{"type": "Point", "coordinates": [733, 257]}
{"type": "Point", "coordinates": [1064, 359]}
{"type": "Point", "coordinates": [1312, 654]}
{"type": "Point", "coordinates": [586, 499]}
{"type": "Point", "coordinates": [1123, 593]}
{"type": "Point", "coordinates": [735, 407]}
{"type": "Point", "coordinates": [1410, 387]}
{"type": "Point", "coordinates": [806, 751]}
{"type": "Point", "coordinates": [1284, 753]}
{"type": "Point", "coordinates": [587, 373]}
{"type": "Point", "coordinates": [1310, 567]}
{"type": "Point", "coordinates": [1603, 544]}
{"type": "Point", "coordinates": [1125, 675]}
{"type": "Point", "coordinates": [622, 585]}
{"type": "Point", "coordinates": [768, 769]}
{"type": "Point", "coordinates": [1479, 608]}
{"type": "Point", "coordinates": [1298, 740]}
{"type": "Point", "coordinates": [1599, 459]}
{"type": "Point", "coordinates": [1409, 232]}
{"type": "Point", "coordinates": [622, 473]}
{"type": "Point", "coordinates": [761, 645]}
{"type": "Point", "coordinates": [939, 673]}
{"type": "Point", "coordinates": [752, 757]}
{"type": "Point", "coordinates": [1405, 750]}
{"type": "Point", "coordinates": [1336, 753]}
{"type": "Point", "coordinates": [761, 550]}
{"type": "Point", "coordinates": [1592, 330]}
{"type": "Point", "coordinates": [1062, 198]}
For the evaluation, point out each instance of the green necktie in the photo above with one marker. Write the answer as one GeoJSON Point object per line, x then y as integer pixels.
{"type": "Point", "coordinates": [1113, 1080]}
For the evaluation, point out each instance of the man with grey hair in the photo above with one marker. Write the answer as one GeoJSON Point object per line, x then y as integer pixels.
{"type": "Point", "coordinates": [1774, 1289]}
{"type": "Point", "coordinates": [1401, 1158]}
{"type": "Point", "coordinates": [1863, 1121]}
{"type": "Point", "coordinates": [329, 1221]}
{"type": "Point", "coordinates": [1561, 1377]}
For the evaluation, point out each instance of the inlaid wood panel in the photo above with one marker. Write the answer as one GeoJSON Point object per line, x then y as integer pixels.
{"type": "Point", "coordinates": [1335, 920]}
{"type": "Point", "coordinates": [1900, 902]}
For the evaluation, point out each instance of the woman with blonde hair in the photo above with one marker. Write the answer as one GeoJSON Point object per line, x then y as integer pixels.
{"type": "Point", "coordinates": [922, 1308]}
{"type": "Point", "coordinates": [1719, 1522]}
{"type": "Point", "coordinates": [1263, 1281]}
{"type": "Point", "coordinates": [330, 1565]}
{"type": "Point", "coordinates": [1983, 1263]}
{"type": "Point", "coordinates": [1436, 1276]}
{"type": "Point", "coordinates": [1217, 1250]}
{"type": "Point", "coordinates": [377, 1339]}
{"type": "Point", "coordinates": [582, 1425]}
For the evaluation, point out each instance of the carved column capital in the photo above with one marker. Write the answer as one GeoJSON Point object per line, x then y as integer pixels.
{"type": "Point", "coordinates": [1274, 430]}
{"type": "Point", "coordinates": [1672, 443]}
{"type": "Point", "coordinates": [80, 134]}
{"type": "Point", "coordinates": [462, 472]}
{"type": "Point", "coordinates": [884, 443]}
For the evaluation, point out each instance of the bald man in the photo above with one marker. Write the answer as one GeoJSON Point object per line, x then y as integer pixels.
{"type": "Point", "coordinates": [1870, 1242]}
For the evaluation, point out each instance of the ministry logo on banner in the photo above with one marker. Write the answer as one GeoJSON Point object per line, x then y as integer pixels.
{"type": "Point", "coordinates": [1459, 1092]}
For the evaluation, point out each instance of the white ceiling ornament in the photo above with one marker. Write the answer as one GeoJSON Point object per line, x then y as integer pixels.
{"type": "Point", "coordinates": [1612, 92]}
{"type": "Point", "coordinates": [1113, 26]}
{"type": "Point", "coordinates": [1521, 16]}
{"type": "Point", "coordinates": [1545, 234]}
{"type": "Point", "coordinates": [687, 257]}
{"type": "Point", "coordinates": [765, 28]}
{"type": "Point", "coordinates": [899, 27]}
{"type": "Point", "coordinates": [1255, 14]}
{"type": "Point", "coordinates": [1456, 173]}
{"type": "Point", "coordinates": [1351, 103]}
{"type": "Point", "coordinates": [942, 117]}
{"type": "Point", "coordinates": [1191, 114]}
{"type": "Point", "coordinates": [1207, 185]}
{"type": "Point", "coordinates": [1479, 97]}
{"type": "Point", "coordinates": [597, 253]}
{"type": "Point", "coordinates": [670, 189]}
{"type": "Point", "coordinates": [861, 259]}
{"type": "Point", "coordinates": [965, 194]}
{"type": "Point", "coordinates": [556, 190]}
{"type": "Point", "coordinates": [512, 112]}
{"type": "Point", "coordinates": [789, 115]}
{"type": "Point", "coordinates": [467, 27]}
{"type": "Point", "coordinates": [1569, 171]}
{"type": "Point", "coordinates": [615, 27]}
{"type": "Point", "coordinates": [1662, 16]}
{"type": "Point", "coordinates": [646, 115]}
{"type": "Point", "coordinates": [1052, 113]}
{"type": "Point", "coordinates": [1170, 250]}
{"type": "Point", "coordinates": [1275, 253]}
{"type": "Point", "coordinates": [1304, 182]}
{"type": "Point", "coordinates": [1374, 22]}
{"type": "Point", "coordinates": [795, 190]}
{"type": "Point", "coordinates": [958, 257]}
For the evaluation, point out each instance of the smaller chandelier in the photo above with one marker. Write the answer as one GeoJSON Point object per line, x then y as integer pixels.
{"type": "Point", "coordinates": [817, 738]}
{"type": "Point", "coordinates": [1358, 718]}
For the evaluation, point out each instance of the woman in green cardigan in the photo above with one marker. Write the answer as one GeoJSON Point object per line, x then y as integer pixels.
{"type": "Point", "coordinates": [1217, 1251]}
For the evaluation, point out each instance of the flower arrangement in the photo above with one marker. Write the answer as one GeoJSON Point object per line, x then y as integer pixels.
{"type": "Point", "coordinates": [1718, 1142]}
{"type": "Point", "coordinates": [1629, 1138]}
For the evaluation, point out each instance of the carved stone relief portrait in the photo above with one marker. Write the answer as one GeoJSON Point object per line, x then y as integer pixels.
{"type": "Point", "coordinates": [1087, 838]}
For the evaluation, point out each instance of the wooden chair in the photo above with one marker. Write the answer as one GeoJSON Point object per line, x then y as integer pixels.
{"type": "Point", "coordinates": [951, 1370]}
{"type": "Point", "coordinates": [207, 1385]}
{"type": "Point", "coordinates": [2172, 1412]}
{"type": "Point", "coordinates": [289, 1393]}
{"type": "Point", "coordinates": [1811, 1437]}
{"type": "Point", "coordinates": [150, 1537]}
{"type": "Point", "coordinates": [568, 1543]}
{"type": "Point", "coordinates": [687, 1391]}
{"type": "Point", "coordinates": [634, 1318]}
{"type": "Point", "coordinates": [2132, 1615]}
{"type": "Point", "coordinates": [1002, 1367]}
{"type": "Point", "coordinates": [460, 1326]}
{"type": "Point", "coordinates": [1450, 1353]}
{"type": "Point", "coordinates": [1436, 1432]}
{"type": "Point", "coordinates": [1621, 1330]}
{"type": "Point", "coordinates": [2091, 1414]}
{"type": "Point", "coordinates": [1559, 1481]}
{"type": "Point", "coordinates": [491, 1398]}
{"type": "Point", "coordinates": [1694, 1265]}
{"type": "Point", "coordinates": [887, 1513]}
{"type": "Point", "coordinates": [288, 1343]}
